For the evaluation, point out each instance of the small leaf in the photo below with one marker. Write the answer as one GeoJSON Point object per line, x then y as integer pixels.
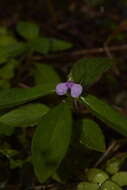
{"type": "Point", "coordinates": [87, 186]}
{"type": "Point", "coordinates": [113, 165]}
{"type": "Point", "coordinates": [10, 51]}
{"type": "Point", "coordinates": [14, 163]}
{"type": "Point", "coordinates": [51, 141]}
{"type": "Point", "coordinates": [17, 96]}
{"type": "Point", "coordinates": [59, 45]}
{"type": "Point", "coordinates": [109, 185]}
{"type": "Point", "coordinates": [40, 45]}
{"type": "Point", "coordinates": [120, 178]}
{"type": "Point", "coordinates": [45, 73]}
{"type": "Point", "coordinates": [92, 136]}
{"type": "Point", "coordinates": [98, 176]}
{"type": "Point", "coordinates": [6, 40]}
{"type": "Point", "coordinates": [106, 113]}
{"type": "Point", "coordinates": [28, 30]}
{"type": "Point", "coordinates": [24, 116]}
{"type": "Point", "coordinates": [46, 45]}
{"type": "Point", "coordinates": [89, 70]}
{"type": "Point", "coordinates": [7, 71]}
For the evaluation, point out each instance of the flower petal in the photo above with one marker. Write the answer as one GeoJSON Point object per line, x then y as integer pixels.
{"type": "Point", "coordinates": [76, 90]}
{"type": "Point", "coordinates": [61, 88]}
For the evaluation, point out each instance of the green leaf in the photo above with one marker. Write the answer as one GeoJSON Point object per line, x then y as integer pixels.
{"type": "Point", "coordinates": [14, 163]}
{"type": "Point", "coordinates": [106, 113]}
{"type": "Point", "coordinates": [6, 40]}
{"type": "Point", "coordinates": [46, 45]}
{"type": "Point", "coordinates": [89, 70]}
{"type": "Point", "coordinates": [3, 30]}
{"type": "Point", "coordinates": [10, 51]}
{"type": "Point", "coordinates": [114, 164]}
{"type": "Point", "coordinates": [7, 152]}
{"type": "Point", "coordinates": [98, 176]}
{"type": "Point", "coordinates": [109, 185]}
{"type": "Point", "coordinates": [92, 136]}
{"type": "Point", "coordinates": [16, 96]}
{"type": "Point", "coordinates": [59, 45]}
{"type": "Point", "coordinates": [45, 73]}
{"type": "Point", "coordinates": [4, 84]}
{"type": "Point", "coordinates": [40, 45]}
{"type": "Point", "coordinates": [51, 141]}
{"type": "Point", "coordinates": [6, 130]}
{"type": "Point", "coordinates": [24, 116]}
{"type": "Point", "coordinates": [87, 186]}
{"type": "Point", "coordinates": [120, 178]}
{"type": "Point", "coordinates": [28, 30]}
{"type": "Point", "coordinates": [7, 71]}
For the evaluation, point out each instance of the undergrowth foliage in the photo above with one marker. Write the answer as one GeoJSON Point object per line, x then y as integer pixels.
{"type": "Point", "coordinates": [53, 125]}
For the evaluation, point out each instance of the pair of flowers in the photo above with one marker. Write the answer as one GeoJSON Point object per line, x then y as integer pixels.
{"type": "Point", "coordinates": [74, 88]}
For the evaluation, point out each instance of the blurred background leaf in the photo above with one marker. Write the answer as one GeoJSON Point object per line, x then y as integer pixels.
{"type": "Point", "coordinates": [45, 73]}
{"type": "Point", "coordinates": [28, 30]}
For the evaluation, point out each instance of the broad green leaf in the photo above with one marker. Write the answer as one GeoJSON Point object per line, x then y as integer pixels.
{"type": "Point", "coordinates": [120, 178]}
{"type": "Point", "coordinates": [51, 141]}
{"type": "Point", "coordinates": [16, 96]}
{"type": "Point", "coordinates": [98, 176]}
{"type": "Point", "coordinates": [89, 70]}
{"type": "Point", "coordinates": [11, 51]}
{"type": "Point", "coordinates": [109, 185]}
{"type": "Point", "coordinates": [87, 186]}
{"type": "Point", "coordinates": [45, 73]}
{"type": "Point", "coordinates": [46, 45]}
{"type": "Point", "coordinates": [106, 113]}
{"type": "Point", "coordinates": [28, 30]}
{"type": "Point", "coordinates": [24, 116]}
{"type": "Point", "coordinates": [92, 136]}
{"type": "Point", "coordinates": [6, 130]}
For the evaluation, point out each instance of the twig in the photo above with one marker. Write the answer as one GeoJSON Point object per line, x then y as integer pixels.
{"type": "Point", "coordinates": [22, 85]}
{"type": "Point", "coordinates": [110, 55]}
{"type": "Point", "coordinates": [107, 152]}
{"type": "Point", "coordinates": [101, 50]}
{"type": "Point", "coordinates": [84, 52]}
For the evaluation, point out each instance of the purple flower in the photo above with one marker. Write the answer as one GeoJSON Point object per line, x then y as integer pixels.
{"type": "Point", "coordinates": [62, 88]}
{"type": "Point", "coordinates": [69, 84]}
{"type": "Point", "coordinates": [76, 90]}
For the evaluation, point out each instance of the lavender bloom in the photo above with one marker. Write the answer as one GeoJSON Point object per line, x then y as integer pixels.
{"type": "Point", "coordinates": [69, 84]}
{"type": "Point", "coordinates": [76, 90]}
{"type": "Point", "coordinates": [61, 89]}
